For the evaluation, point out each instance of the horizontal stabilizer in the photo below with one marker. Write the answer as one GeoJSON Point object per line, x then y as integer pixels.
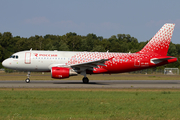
{"type": "Point", "coordinates": [161, 59]}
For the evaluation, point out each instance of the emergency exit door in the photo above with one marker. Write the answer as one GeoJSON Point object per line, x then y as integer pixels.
{"type": "Point", "coordinates": [27, 58]}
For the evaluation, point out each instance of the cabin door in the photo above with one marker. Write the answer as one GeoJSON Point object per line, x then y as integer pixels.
{"type": "Point", "coordinates": [27, 58]}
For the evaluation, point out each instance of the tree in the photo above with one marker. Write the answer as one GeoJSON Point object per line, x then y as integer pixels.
{"type": "Point", "coordinates": [7, 41]}
{"type": "Point", "coordinates": [74, 42]}
{"type": "Point", "coordinates": [178, 48]}
{"type": "Point", "coordinates": [84, 45]}
{"type": "Point", "coordinates": [172, 50]}
{"type": "Point", "coordinates": [98, 48]}
{"type": "Point", "coordinates": [63, 46]}
{"type": "Point", "coordinates": [91, 39]}
{"type": "Point", "coordinates": [20, 44]}
{"type": "Point", "coordinates": [128, 37]}
{"type": "Point", "coordinates": [100, 38]}
{"type": "Point", "coordinates": [115, 46]}
{"type": "Point", "coordinates": [120, 37]}
{"type": "Point", "coordinates": [106, 44]}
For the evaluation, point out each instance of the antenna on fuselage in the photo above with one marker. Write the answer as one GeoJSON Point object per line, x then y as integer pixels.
{"type": "Point", "coordinates": [31, 49]}
{"type": "Point", "coordinates": [107, 51]}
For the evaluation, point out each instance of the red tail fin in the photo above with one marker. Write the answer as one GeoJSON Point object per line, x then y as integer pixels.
{"type": "Point", "coordinates": [160, 42]}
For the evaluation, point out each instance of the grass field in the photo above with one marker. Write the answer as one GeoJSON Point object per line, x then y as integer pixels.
{"type": "Point", "coordinates": [124, 76]}
{"type": "Point", "coordinates": [88, 104]}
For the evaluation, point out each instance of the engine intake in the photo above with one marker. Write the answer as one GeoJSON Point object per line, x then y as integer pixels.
{"type": "Point", "coordinates": [62, 72]}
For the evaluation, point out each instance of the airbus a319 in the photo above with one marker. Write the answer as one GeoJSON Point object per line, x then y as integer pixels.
{"type": "Point", "coordinates": [63, 64]}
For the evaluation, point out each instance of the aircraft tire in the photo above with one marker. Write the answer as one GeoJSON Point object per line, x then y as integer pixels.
{"type": "Point", "coordinates": [85, 80]}
{"type": "Point", "coordinates": [27, 80]}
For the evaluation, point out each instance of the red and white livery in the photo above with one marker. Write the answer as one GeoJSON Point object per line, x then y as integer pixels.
{"type": "Point", "coordinates": [63, 64]}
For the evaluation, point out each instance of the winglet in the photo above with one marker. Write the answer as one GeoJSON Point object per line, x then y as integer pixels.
{"type": "Point", "coordinates": [160, 42]}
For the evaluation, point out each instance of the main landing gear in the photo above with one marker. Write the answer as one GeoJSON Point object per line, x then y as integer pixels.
{"type": "Point", "coordinates": [28, 76]}
{"type": "Point", "coordinates": [85, 80]}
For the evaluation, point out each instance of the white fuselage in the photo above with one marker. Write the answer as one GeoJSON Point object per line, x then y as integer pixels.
{"type": "Point", "coordinates": [37, 60]}
{"type": "Point", "coordinates": [44, 60]}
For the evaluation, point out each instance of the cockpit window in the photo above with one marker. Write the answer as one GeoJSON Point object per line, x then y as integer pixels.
{"type": "Point", "coordinates": [14, 56]}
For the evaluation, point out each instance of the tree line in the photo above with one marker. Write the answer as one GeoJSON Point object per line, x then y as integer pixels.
{"type": "Point", "coordinates": [73, 42]}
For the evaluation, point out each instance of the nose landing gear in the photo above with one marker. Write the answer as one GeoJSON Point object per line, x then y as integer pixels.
{"type": "Point", "coordinates": [28, 76]}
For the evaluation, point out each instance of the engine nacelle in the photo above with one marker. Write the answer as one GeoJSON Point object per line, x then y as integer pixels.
{"type": "Point", "coordinates": [62, 72]}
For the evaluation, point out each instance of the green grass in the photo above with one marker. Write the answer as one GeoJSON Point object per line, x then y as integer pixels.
{"type": "Point", "coordinates": [89, 104]}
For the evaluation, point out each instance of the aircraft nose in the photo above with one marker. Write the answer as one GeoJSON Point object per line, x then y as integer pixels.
{"type": "Point", "coordinates": [4, 63]}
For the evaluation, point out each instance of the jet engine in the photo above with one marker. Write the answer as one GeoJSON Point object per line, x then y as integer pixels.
{"type": "Point", "coordinates": [62, 72]}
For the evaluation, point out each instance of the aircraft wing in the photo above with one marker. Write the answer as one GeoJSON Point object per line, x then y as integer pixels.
{"type": "Point", "coordinates": [89, 65]}
{"type": "Point", "coordinates": [83, 66]}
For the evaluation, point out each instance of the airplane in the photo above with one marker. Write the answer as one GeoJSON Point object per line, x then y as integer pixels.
{"type": "Point", "coordinates": [63, 64]}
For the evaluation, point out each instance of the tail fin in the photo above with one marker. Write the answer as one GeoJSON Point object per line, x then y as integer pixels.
{"type": "Point", "coordinates": [160, 42]}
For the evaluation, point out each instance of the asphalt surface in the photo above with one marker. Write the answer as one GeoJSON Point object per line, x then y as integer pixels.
{"type": "Point", "coordinates": [102, 84]}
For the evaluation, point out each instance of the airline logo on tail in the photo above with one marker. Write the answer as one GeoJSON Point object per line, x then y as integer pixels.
{"type": "Point", "coordinates": [160, 42]}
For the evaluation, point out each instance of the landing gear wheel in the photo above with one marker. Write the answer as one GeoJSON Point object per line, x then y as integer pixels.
{"type": "Point", "coordinates": [27, 80]}
{"type": "Point", "coordinates": [85, 80]}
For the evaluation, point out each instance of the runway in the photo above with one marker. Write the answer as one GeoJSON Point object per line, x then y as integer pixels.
{"type": "Point", "coordinates": [99, 84]}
